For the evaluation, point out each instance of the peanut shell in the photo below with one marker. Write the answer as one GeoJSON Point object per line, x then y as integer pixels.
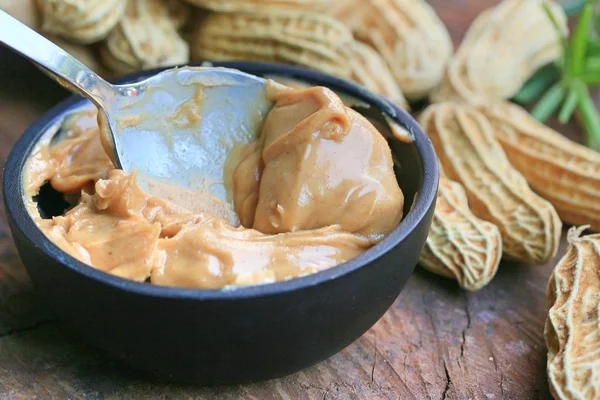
{"type": "Point", "coordinates": [81, 21]}
{"type": "Point", "coordinates": [564, 172]}
{"type": "Point", "coordinates": [146, 37]}
{"type": "Point", "coordinates": [469, 153]}
{"type": "Point", "coordinates": [308, 40]}
{"type": "Point", "coordinates": [178, 11]}
{"type": "Point", "coordinates": [502, 49]}
{"type": "Point", "coordinates": [371, 71]}
{"type": "Point", "coordinates": [409, 36]}
{"type": "Point", "coordinates": [460, 245]}
{"type": "Point", "coordinates": [572, 330]}
{"type": "Point", "coordinates": [252, 5]}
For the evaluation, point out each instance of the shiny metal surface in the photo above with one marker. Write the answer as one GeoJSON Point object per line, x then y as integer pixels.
{"type": "Point", "coordinates": [176, 126]}
{"type": "Point", "coordinates": [184, 124]}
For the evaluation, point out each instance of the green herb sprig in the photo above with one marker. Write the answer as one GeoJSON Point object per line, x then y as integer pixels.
{"type": "Point", "coordinates": [564, 86]}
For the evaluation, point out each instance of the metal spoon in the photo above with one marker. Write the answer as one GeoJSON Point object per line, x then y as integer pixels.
{"type": "Point", "coordinates": [176, 126]}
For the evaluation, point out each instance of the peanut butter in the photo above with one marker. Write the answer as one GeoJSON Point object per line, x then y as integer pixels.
{"type": "Point", "coordinates": [316, 189]}
{"type": "Point", "coordinates": [317, 163]}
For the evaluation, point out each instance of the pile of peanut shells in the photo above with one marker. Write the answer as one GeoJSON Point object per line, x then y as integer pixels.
{"type": "Point", "coordinates": [508, 182]}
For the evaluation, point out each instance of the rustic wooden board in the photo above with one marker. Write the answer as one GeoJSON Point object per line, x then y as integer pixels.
{"type": "Point", "coordinates": [436, 342]}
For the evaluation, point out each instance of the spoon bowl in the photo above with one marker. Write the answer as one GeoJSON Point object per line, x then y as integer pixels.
{"type": "Point", "coordinates": [182, 124]}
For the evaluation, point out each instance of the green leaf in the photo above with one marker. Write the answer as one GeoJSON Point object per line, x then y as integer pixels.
{"type": "Point", "coordinates": [597, 19]}
{"type": "Point", "coordinates": [549, 102]}
{"type": "Point", "coordinates": [592, 62]}
{"type": "Point", "coordinates": [579, 67]}
{"type": "Point", "coordinates": [590, 77]}
{"type": "Point", "coordinates": [534, 87]}
{"type": "Point", "coordinates": [570, 102]}
{"type": "Point", "coordinates": [591, 73]}
{"type": "Point", "coordinates": [579, 40]}
{"type": "Point", "coordinates": [590, 118]}
{"type": "Point", "coordinates": [564, 59]}
{"type": "Point", "coordinates": [594, 47]}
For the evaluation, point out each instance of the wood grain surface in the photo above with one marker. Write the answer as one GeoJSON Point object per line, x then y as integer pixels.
{"type": "Point", "coordinates": [436, 342]}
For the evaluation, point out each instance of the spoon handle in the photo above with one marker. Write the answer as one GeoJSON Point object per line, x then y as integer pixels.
{"type": "Point", "coordinates": [66, 69]}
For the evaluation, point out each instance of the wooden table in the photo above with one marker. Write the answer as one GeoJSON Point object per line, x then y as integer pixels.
{"type": "Point", "coordinates": [436, 342]}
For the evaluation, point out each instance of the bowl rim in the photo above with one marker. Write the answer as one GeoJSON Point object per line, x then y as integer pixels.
{"type": "Point", "coordinates": [424, 201]}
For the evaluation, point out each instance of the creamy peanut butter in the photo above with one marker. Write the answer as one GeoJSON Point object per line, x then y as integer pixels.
{"type": "Point", "coordinates": [317, 163]}
{"type": "Point", "coordinates": [316, 189]}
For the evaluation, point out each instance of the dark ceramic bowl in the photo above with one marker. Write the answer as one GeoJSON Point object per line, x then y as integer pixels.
{"type": "Point", "coordinates": [252, 333]}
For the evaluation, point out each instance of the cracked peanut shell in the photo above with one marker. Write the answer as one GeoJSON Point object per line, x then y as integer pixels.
{"type": "Point", "coordinates": [409, 36]}
{"type": "Point", "coordinates": [461, 246]}
{"type": "Point", "coordinates": [146, 37]}
{"type": "Point", "coordinates": [81, 21]}
{"type": "Point", "coordinates": [251, 5]}
{"type": "Point", "coordinates": [572, 330]}
{"type": "Point", "coordinates": [502, 49]}
{"type": "Point", "coordinates": [304, 39]}
{"type": "Point", "coordinates": [565, 173]}
{"type": "Point", "coordinates": [469, 153]}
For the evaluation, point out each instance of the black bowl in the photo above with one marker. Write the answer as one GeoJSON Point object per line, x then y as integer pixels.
{"type": "Point", "coordinates": [252, 333]}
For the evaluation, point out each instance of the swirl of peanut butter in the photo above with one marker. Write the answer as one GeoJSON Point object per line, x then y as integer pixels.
{"type": "Point", "coordinates": [317, 163]}
{"type": "Point", "coordinates": [316, 189]}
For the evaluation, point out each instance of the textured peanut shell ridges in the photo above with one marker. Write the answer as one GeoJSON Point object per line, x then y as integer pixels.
{"type": "Point", "coordinates": [308, 40]}
{"type": "Point", "coordinates": [251, 5]}
{"type": "Point", "coordinates": [503, 47]}
{"type": "Point", "coordinates": [572, 329]}
{"type": "Point", "coordinates": [563, 172]}
{"type": "Point", "coordinates": [469, 153]}
{"type": "Point", "coordinates": [81, 21]}
{"type": "Point", "coordinates": [409, 36]}
{"type": "Point", "coordinates": [145, 37]}
{"type": "Point", "coordinates": [371, 71]}
{"type": "Point", "coordinates": [460, 245]}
